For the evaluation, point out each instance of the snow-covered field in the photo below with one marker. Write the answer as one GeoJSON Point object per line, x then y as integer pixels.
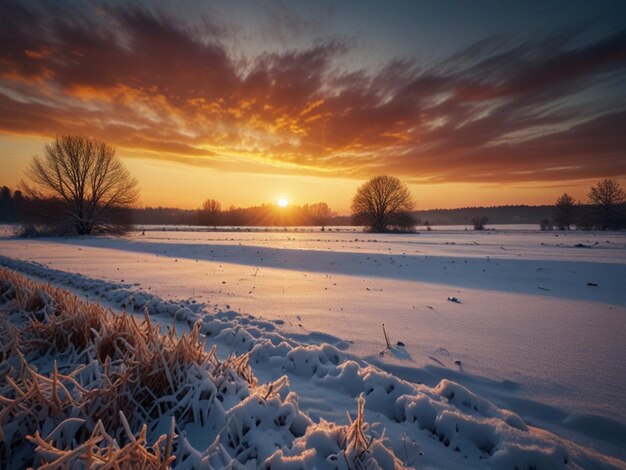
{"type": "Point", "coordinates": [538, 328]}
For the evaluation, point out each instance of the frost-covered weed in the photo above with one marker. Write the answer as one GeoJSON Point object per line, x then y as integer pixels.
{"type": "Point", "coordinates": [107, 368]}
{"type": "Point", "coordinates": [81, 387]}
{"type": "Point", "coordinates": [326, 445]}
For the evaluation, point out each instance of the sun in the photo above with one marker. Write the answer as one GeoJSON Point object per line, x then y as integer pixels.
{"type": "Point", "coordinates": [282, 202]}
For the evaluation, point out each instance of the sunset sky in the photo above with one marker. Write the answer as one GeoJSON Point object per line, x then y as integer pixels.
{"type": "Point", "coordinates": [470, 103]}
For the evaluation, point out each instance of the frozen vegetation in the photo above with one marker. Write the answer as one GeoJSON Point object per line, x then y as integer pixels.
{"type": "Point", "coordinates": [276, 358]}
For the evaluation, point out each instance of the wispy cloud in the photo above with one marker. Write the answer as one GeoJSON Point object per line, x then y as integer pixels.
{"type": "Point", "coordinates": [502, 109]}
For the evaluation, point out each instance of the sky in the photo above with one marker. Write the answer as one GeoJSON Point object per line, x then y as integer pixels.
{"type": "Point", "coordinates": [469, 103]}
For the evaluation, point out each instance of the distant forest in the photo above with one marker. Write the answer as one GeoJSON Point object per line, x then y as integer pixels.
{"type": "Point", "coordinates": [496, 215]}
{"type": "Point", "coordinates": [14, 208]}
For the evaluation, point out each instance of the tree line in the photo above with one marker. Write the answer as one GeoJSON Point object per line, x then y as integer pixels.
{"type": "Point", "coordinates": [211, 214]}
{"type": "Point", "coordinates": [79, 186]}
{"type": "Point", "coordinates": [230, 217]}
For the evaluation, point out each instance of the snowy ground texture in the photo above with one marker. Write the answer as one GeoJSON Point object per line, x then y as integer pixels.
{"type": "Point", "coordinates": [532, 349]}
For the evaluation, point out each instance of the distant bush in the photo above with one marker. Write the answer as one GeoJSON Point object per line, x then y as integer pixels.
{"type": "Point", "coordinates": [546, 224]}
{"type": "Point", "coordinates": [479, 222]}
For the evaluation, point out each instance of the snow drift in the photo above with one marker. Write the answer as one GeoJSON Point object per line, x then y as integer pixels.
{"type": "Point", "coordinates": [80, 385]}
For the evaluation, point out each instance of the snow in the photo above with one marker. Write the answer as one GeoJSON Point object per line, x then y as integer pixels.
{"type": "Point", "coordinates": [530, 344]}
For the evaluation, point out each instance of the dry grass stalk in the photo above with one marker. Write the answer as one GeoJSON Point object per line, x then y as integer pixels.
{"type": "Point", "coordinates": [100, 450]}
{"type": "Point", "coordinates": [119, 380]}
{"type": "Point", "coordinates": [118, 367]}
{"type": "Point", "coordinates": [356, 442]}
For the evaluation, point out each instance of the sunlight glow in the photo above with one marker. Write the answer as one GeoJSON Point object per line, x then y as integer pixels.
{"type": "Point", "coordinates": [282, 202]}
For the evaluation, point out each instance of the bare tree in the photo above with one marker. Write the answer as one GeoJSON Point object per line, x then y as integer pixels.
{"type": "Point", "coordinates": [382, 203]}
{"type": "Point", "coordinates": [319, 213]}
{"type": "Point", "coordinates": [564, 212]}
{"type": "Point", "coordinates": [607, 196]}
{"type": "Point", "coordinates": [210, 213]}
{"type": "Point", "coordinates": [85, 186]}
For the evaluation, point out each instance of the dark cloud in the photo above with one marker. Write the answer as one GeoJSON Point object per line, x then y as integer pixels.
{"type": "Point", "coordinates": [499, 110]}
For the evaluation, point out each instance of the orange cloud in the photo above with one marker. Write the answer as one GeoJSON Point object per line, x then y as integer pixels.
{"type": "Point", "coordinates": [146, 82]}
